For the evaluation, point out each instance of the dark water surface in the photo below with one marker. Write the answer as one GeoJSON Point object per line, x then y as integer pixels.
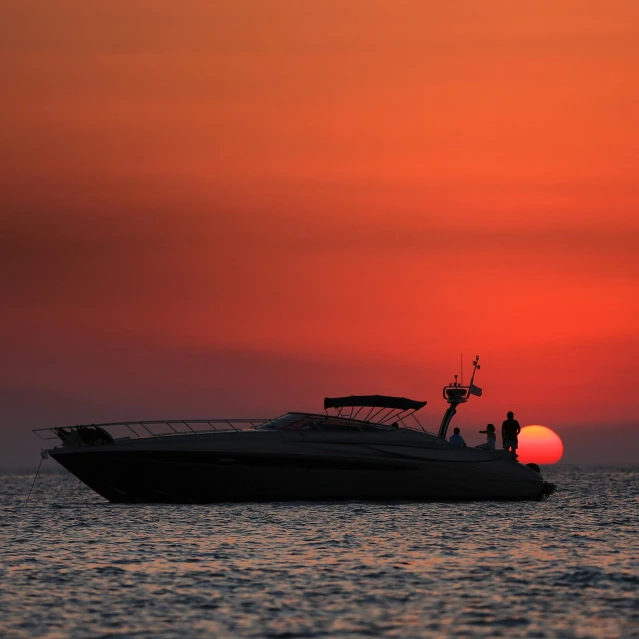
{"type": "Point", "coordinates": [72, 565]}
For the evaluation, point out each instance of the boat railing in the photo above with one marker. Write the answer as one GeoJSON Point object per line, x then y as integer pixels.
{"type": "Point", "coordinates": [119, 431]}
{"type": "Point", "coordinates": [95, 434]}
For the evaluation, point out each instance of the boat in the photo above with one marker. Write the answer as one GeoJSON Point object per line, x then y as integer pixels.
{"type": "Point", "coordinates": [365, 447]}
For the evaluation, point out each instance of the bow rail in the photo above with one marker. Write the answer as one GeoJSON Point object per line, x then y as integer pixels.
{"type": "Point", "coordinates": [114, 431]}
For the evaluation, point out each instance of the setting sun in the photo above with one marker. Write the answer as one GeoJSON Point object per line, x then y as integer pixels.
{"type": "Point", "coordinates": [540, 445]}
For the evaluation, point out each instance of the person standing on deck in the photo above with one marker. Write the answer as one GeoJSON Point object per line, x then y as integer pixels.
{"type": "Point", "coordinates": [510, 430]}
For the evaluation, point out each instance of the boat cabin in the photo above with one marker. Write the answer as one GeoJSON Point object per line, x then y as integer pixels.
{"type": "Point", "coordinates": [359, 412]}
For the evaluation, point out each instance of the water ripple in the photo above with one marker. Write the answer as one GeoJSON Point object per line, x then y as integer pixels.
{"type": "Point", "coordinates": [72, 565]}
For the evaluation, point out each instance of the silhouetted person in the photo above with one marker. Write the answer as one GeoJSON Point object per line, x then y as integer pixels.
{"type": "Point", "coordinates": [510, 430]}
{"type": "Point", "coordinates": [456, 439]}
{"type": "Point", "coordinates": [491, 437]}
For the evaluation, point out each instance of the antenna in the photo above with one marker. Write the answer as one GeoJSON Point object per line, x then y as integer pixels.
{"type": "Point", "coordinates": [476, 367]}
{"type": "Point", "coordinates": [456, 394]}
{"type": "Point", "coordinates": [461, 367]}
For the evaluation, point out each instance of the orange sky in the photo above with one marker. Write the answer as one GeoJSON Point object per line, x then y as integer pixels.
{"type": "Point", "coordinates": [338, 197]}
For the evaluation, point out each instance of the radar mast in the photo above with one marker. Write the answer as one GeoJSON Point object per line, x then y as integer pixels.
{"type": "Point", "coordinates": [456, 393]}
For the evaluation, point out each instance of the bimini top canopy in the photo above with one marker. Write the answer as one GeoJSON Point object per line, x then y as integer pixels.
{"type": "Point", "coordinates": [373, 401]}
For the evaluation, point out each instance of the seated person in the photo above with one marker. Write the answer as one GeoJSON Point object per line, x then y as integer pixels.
{"type": "Point", "coordinates": [457, 440]}
{"type": "Point", "coordinates": [491, 437]}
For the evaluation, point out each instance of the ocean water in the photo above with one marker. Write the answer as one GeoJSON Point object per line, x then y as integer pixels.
{"type": "Point", "coordinates": [73, 565]}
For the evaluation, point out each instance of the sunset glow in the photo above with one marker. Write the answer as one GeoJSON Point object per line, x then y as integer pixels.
{"type": "Point", "coordinates": [232, 208]}
{"type": "Point", "coordinates": [539, 444]}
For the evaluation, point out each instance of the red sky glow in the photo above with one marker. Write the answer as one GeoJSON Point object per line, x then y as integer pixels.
{"type": "Point", "coordinates": [235, 209]}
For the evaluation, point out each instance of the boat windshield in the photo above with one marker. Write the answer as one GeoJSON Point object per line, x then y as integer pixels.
{"type": "Point", "coordinates": [305, 421]}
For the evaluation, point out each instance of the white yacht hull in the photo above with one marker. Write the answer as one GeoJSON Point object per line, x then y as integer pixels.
{"type": "Point", "coordinates": [279, 466]}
